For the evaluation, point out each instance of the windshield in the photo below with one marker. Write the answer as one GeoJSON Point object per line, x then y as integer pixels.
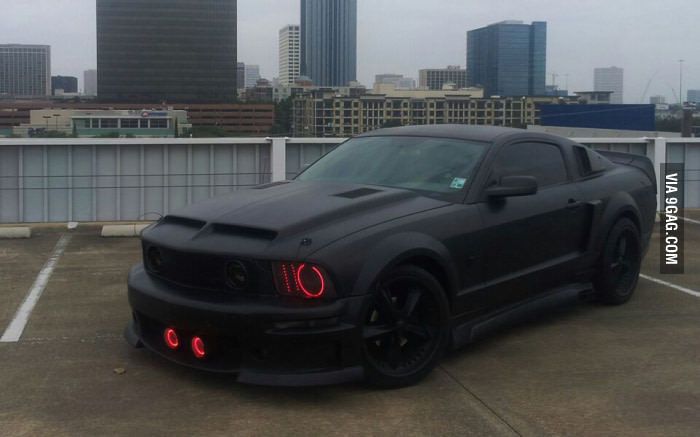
{"type": "Point", "coordinates": [428, 164]}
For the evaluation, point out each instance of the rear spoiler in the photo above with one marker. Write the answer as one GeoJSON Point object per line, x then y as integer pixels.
{"type": "Point", "coordinates": [639, 161]}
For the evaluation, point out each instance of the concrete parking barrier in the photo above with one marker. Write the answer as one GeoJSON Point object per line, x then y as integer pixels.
{"type": "Point", "coordinates": [18, 232]}
{"type": "Point", "coordinates": [110, 231]}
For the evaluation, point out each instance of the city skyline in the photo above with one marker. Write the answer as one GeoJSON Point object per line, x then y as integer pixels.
{"type": "Point", "coordinates": [649, 54]}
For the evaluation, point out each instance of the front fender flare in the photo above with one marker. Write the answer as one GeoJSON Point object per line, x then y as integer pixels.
{"type": "Point", "coordinates": [398, 248]}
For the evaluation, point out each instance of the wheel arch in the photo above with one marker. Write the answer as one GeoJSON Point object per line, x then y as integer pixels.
{"type": "Point", "coordinates": [410, 248]}
{"type": "Point", "coordinates": [621, 205]}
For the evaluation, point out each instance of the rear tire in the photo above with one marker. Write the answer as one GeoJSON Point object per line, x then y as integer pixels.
{"type": "Point", "coordinates": [620, 263]}
{"type": "Point", "coordinates": [405, 327]}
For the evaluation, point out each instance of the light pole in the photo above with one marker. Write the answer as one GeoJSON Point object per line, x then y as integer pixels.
{"type": "Point", "coordinates": [56, 117]}
{"type": "Point", "coordinates": [680, 93]}
{"type": "Point", "coordinates": [47, 118]}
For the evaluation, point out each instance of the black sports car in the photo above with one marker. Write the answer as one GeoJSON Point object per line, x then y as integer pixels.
{"type": "Point", "coordinates": [395, 246]}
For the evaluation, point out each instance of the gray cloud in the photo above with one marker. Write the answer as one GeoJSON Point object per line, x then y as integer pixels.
{"type": "Point", "coordinates": [645, 37]}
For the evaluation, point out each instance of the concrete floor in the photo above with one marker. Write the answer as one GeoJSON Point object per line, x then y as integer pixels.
{"type": "Point", "coordinates": [589, 370]}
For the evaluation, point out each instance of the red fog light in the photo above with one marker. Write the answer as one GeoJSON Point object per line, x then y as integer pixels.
{"type": "Point", "coordinates": [198, 348]}
{"type": "Point", "coordinates": [171, 339]}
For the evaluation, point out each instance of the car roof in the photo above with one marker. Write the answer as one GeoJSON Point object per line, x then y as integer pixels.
{"type": "Point", "coordinates": [460, 131]}
{"type": "Point", "coordinates": [457, 131]}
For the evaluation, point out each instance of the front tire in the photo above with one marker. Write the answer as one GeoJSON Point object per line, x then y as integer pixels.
{"type": "Point", "coordinates": [620, 264]}
{"type": "Point", "coordinates": [405, 327]}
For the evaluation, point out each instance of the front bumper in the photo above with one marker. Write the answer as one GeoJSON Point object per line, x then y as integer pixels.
{"type": "Point", "coordinates": [265, 340]}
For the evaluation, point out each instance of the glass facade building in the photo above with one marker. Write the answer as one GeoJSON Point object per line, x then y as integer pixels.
{"type": "Point", "coordinates": [329, 41]}
{"type": "Point", "coordinates": [508, 58]}
{"type": "Point", "coordinates": [68, 84]}
{"type": "Point", "coordinates": [166, 50]}
{"type": "Point", "coordinates": [25, 70]}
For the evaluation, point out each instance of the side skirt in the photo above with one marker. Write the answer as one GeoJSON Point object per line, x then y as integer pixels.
{"type": "Point", "coordinates": [467, 331]}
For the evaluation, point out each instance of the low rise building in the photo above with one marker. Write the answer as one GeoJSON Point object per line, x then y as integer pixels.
{"type": "Point", "coordinates": [236, 119]}
{"type": "Point", "coordinates": [594, 97]}
{"type": "Point", "coordinates": [398, 80]}
{"type": "Point", "coordinates": [109, 123]}
{"type": "Point", "coordinates": [437, 78]}
{"type": "Point", "coordinates": [320, 113]}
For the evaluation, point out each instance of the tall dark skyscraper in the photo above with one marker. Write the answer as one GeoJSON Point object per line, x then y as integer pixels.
{"type": "Point", "coordinates": [329, 41]}
{"type": "Point", "coordinates": [166, 50]}
{"type": "Point", "coordinates": [508, 58]}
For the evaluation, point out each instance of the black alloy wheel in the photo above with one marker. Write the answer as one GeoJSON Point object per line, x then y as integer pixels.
{"type": "Point", "coordinates": [405, 329]}
{"type": "Point", "coordinates": [620, 264]}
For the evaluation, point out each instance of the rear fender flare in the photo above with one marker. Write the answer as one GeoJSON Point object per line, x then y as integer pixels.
{"type": "Point", "coordinates": [620, 204]}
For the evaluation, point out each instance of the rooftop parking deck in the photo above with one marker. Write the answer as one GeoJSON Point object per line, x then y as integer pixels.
{"type": "Point", "coordinates": [586, 370]}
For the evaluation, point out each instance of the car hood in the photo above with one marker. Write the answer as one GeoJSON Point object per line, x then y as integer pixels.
{"type": "Point", "coordinates": [258, 218]}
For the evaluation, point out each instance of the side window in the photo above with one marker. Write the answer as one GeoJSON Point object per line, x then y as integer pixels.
{"type": "Point", "coordinates": [543, 161]}
{"type": "Point", "coordinates": [583, 161]}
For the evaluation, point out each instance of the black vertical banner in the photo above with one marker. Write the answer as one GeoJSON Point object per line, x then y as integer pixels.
{"type": "Point", "coordinates": [671, 261]}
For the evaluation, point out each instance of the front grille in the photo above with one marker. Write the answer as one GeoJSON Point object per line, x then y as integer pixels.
{"type": "Point", "coordinates": [205, 271]}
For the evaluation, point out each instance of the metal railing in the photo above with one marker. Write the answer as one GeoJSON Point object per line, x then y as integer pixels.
{"type": "Point", "coordinates": [60, 180]}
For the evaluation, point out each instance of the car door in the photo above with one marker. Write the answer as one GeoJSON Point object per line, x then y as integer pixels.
{"type": "Point", "coordinates": [530, 241]}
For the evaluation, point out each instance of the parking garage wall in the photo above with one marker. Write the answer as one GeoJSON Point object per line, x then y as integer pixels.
{"type": "Point", "coordinates": [60, 180]}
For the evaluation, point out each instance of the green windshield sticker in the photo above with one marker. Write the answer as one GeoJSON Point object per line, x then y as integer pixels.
{"type": "Point", "coordinates": [458, 183]}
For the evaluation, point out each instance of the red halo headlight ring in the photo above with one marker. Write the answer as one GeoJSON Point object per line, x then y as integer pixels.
{"type": "Point", "coordinates": [312, 288]}
{"type": "Point", "coordinates": [304, 280]}
{"type": "Point", "coordinates": [172, 341]}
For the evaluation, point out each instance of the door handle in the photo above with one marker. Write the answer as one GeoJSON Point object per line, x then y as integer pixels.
{"type": "Point", "coordinates": [573, 204]}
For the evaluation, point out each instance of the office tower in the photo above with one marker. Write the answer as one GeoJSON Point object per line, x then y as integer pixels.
{"type": "Point", "coordinates": [64, 85]}
{"type": "Point", "coordinates": [240, 75]}
{"type": "Point", "coordinates": [252, 75]}
{"type": "Point", "coordinates": [166, 50]}
{"type": "Point", "coordinates": [329, 41]}
{"type": "Point", "coordinates": [508, 58]}
{"type": "Point", "coordinates": [610, 79]}
{"type": "Point", "coordinates": [25, 70]}
{"type": "Point", "coordinates": [290, 54]}
{"type": "Point", "coordinates": [436, 78]}
{"type": "Point", "coordinates": [90, 82]}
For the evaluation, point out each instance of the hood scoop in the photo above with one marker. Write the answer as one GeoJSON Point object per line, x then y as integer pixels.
{"type": "Point", "coordinates": [245, 231]}
{"type": "Point", "coordinates": [183, 221]}
{"type": "Point", "coordinates": [360, 192]}
{"type": "Point", "coordinates": [270, 185]}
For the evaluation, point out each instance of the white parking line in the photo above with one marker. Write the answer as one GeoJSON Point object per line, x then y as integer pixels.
{"type": "Point", "coordinates": [668, 284]}
{"type": "Point", "coordinates": [689, 220]}
{"type": "Point", "coordinates": [16, 327]}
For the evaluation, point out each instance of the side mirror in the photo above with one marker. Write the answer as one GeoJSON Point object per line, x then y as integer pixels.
{"type": "Point", "coordinates": [511, 186]}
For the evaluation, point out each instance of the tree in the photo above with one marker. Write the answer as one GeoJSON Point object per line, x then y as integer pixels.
{"type": "Point", "coordinates": [283, 117]}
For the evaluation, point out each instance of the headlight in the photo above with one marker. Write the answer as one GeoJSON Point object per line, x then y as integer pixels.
{"type": "Point", "coordinates": [304, 280]}
{"type": "Point", "coordinates": [154, 259]}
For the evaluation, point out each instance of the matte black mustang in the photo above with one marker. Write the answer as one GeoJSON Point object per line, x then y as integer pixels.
{"type": "Point", "coordinates": [387, 251]}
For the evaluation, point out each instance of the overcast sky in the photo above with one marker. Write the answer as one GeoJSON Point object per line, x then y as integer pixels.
{"type": "Point", "coordinates": [645, 37]}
